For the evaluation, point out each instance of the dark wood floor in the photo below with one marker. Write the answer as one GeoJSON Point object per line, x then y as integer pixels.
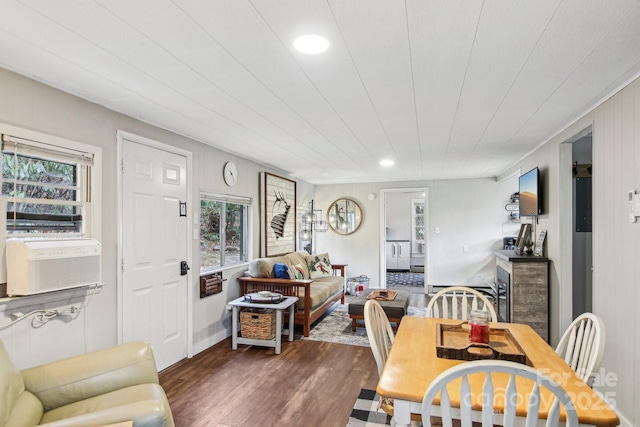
{"type": "Point", "coordinates": [311, 383]}
{"type": "Point", "coordinates": [417, 297]}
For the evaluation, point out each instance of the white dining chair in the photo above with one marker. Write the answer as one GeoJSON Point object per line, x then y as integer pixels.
{"type": "Point", "coordinates": [582, 345]}
{"type": "Point", "coordinates": [381, 337]}
{"type": "Point", "coordinates": [379, 332]}
{"type": "Point", "coordinates": [509, 395]}
{"type": "Point", "coordinates": [456, 302]}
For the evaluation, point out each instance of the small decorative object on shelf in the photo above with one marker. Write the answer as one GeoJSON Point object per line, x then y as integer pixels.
{"type": "Point", "coordinates": [540, 243]}
{"type": "Point", "coordinates": [513, 207]}
{"type": "Point", "coordinates": [523, 236]}
{"type": "Point", "coordinates": [528, 247]}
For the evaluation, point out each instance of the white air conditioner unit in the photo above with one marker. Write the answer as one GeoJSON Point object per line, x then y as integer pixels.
{"type": "Point", "coordinates": [37, 266]}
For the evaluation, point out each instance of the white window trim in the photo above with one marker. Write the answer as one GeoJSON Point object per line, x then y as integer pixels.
{"type": "Point", "coordinates": [414, 240]}
{"type": "Point", "coordinates": [239, 200]}
{"type": "Point", "coordinates": [93, 208]}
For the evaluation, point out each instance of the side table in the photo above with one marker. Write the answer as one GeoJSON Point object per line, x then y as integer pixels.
{"type": "Point", "coordinates": [286, 303]}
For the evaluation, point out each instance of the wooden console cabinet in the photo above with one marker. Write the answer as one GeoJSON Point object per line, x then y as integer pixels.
{"type": "Point", "coordinates": [527, 296]}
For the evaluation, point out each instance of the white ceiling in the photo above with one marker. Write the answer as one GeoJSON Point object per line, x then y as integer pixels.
{"type": "Point", "coordinates": [447, 89]}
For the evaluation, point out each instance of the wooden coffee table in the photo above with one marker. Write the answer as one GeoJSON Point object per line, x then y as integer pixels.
{"type": "Point", "coordinates": [395, 310]}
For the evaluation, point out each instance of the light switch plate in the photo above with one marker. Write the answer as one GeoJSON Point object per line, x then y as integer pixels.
{"type": "Point", "coordinates": [633, 205]}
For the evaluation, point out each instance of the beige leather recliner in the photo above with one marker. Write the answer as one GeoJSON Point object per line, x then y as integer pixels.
{"type": "Point", "coordinates": [94, 389]}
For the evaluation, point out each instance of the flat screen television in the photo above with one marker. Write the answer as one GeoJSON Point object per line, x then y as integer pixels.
{"type": "Point", "coordinates": [530, 197]}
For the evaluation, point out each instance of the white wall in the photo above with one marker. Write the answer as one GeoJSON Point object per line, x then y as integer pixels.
{"type": "Point", "coordinates": [467, 212]}
{"type": "Point", "coordinates": [398, 217]}
{"type": "Point", "coordinates": [30, 105]}
{"type": "Point", "coordinates": [616, 241]}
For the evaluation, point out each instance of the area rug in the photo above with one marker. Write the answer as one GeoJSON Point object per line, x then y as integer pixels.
{"type": "Point", "coordinates": [405, 279]}
{"type": "Point", "coordinates": [366, 413]}
{"type": "Point", "coordinates": [335, 326]}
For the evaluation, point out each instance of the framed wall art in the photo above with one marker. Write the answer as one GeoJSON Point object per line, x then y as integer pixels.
{"type": "Point", "coordinates": [277, 215]}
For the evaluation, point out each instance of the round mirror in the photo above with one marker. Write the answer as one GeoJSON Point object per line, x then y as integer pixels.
{"type": "Point", "coordinates": [344, 216]}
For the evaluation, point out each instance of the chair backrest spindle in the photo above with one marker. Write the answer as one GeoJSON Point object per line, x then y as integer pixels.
{"type": "Point", "coordinates": [582, 345]}
{"type": "Point", "coordinates": [456, 302]}
{"type": "Point", "coordinates": [379, 332]}
{"type": "Point", "coordinates": [511, 395]}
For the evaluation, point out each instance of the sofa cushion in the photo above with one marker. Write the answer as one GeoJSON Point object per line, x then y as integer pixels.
{"type": "Point", "coordinates": [281, 271]}
{"type": "Point", "coordinates": [130, 403]}
{"type": "Point", "coordinates": [299, 259]}
{"type": "Point", "coordinates": [92, 374]}
{"type": "Point", "coordinates": [321, 290]}
{"type": "Point", "coordinates": [27, 411]}
{"type": "Point", "coordinates": [296, 272]}
{"type": "Point", "coordinates": [334, 283]}
{"type": "Point", "coordinates": [11, 385]}
{"type": "Point", "coordinates": [319, 266]}
{"type": "Point", "coordinates": [264, 267]}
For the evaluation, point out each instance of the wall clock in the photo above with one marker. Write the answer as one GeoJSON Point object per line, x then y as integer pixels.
{"type": "Point", "coordinates": [230, 174]}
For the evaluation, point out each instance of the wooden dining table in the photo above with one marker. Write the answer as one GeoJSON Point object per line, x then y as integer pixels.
{"type": "Point", "coordinates": [413, 364]}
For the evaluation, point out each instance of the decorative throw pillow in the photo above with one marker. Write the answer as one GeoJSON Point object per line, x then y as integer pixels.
{"type": "Point", "coordinates": [281, 271]}
{"type": "Point", "coordinates": [296, 272]}
{"type": "Point", "coordinates": [319, 266]}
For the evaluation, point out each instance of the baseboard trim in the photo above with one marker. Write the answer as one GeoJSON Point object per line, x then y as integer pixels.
{"type": "Point", "coordinates": [210, 341]}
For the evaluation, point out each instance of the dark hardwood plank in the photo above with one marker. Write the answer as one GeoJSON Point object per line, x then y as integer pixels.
{"type": "Point", "coordinates": [310, 383]}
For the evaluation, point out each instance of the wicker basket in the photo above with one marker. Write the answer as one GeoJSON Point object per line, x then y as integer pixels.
{"type": "Point", "coordinates": [258, 323]}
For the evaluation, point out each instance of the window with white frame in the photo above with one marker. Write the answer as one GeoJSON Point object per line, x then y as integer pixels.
{"type": "Point", "coordinates": [223, 231]}
{"type": "Point", "coordinates": [45, 188]}
{"type": "Point", "coordinates": [417, 225]}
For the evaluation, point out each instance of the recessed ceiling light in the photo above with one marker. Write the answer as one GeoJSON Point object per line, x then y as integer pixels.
{"type": "Point", "coordinates": [311, 44]}
{"type": "Point", "coordinates": [387, 162]}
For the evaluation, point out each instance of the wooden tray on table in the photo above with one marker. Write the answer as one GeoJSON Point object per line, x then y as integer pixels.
{"type": "Point", "coordinates": [264, 297]}
{"type": "Point", "coordinates": [452, 342]}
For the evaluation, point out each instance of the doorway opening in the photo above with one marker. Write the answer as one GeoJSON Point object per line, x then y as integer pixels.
{"type": "Point", "coordinates": [576, 238]}
{"type": "Point", "coordinates": [582, 242]}
{"type": "Point", "coordinates": [404, 238]}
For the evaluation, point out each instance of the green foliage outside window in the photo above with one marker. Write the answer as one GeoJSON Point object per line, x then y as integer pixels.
{"type": "Point", "coordinates": [35, 178]}
{"type": "Point", "coordinates": [222, 234]}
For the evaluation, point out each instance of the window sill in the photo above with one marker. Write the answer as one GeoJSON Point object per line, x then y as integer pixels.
{"type": "Point", "coordinates": [225, 268]}
{"type": "Point", "coordinates": [47, 297]}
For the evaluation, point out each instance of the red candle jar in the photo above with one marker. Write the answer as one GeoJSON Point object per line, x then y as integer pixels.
{"type": "Point", "coordinates": [479, 327]}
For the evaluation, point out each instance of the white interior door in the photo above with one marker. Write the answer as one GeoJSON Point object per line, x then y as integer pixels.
{"type": "Point", "coordinates": [154, 243]}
